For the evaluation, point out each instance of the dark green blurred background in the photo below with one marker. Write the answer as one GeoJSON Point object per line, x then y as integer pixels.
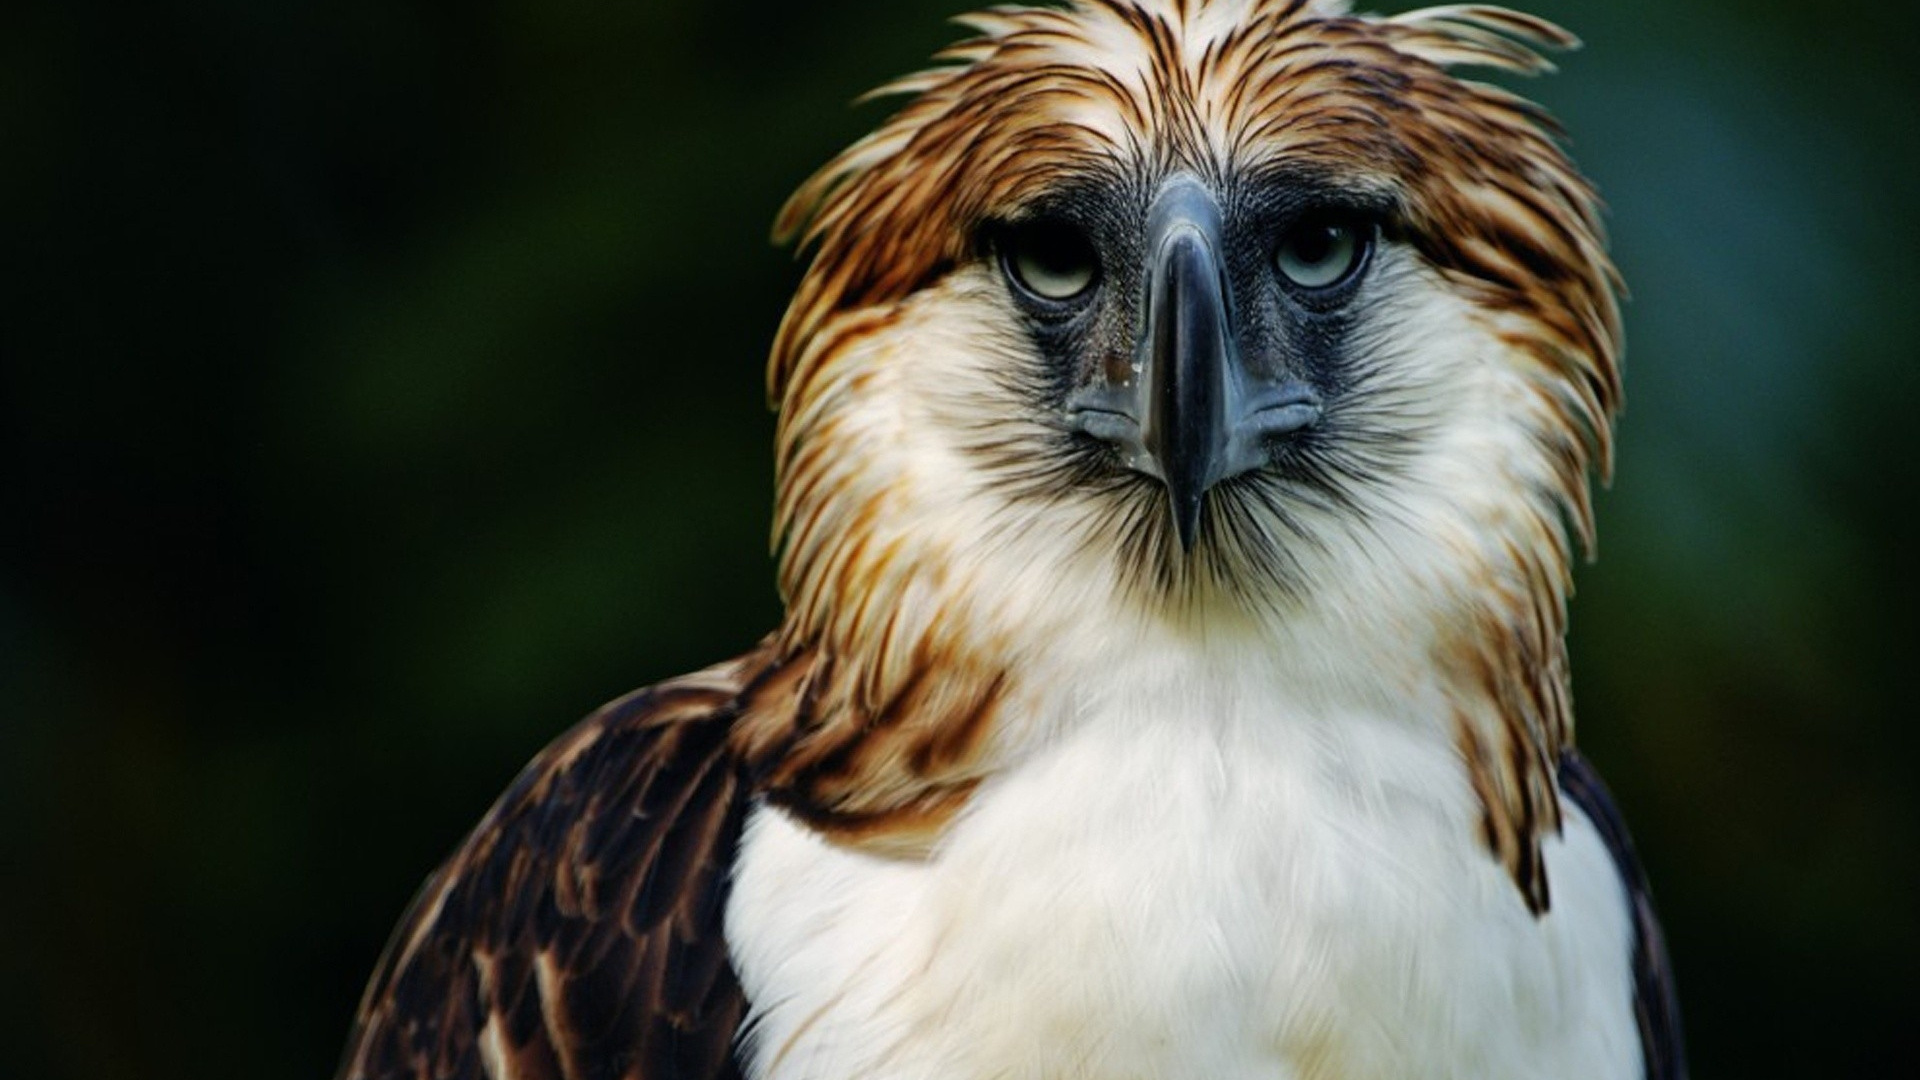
{"type": "Point", "coordinates": [382, 390]}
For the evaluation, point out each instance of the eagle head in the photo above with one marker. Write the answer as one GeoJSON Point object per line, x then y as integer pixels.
{"type": "Point", "coordinates": [1236, 321]}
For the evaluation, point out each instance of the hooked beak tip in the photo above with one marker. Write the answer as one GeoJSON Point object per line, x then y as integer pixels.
{"type": "Point", "coordinates": [1186, 518]}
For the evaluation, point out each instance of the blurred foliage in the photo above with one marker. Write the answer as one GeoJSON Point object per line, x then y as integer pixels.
{"type": "Point", "coordinates": [382, 390]}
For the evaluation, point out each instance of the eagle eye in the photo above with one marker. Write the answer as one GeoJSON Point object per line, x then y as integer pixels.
{"type": "Point", "coordinates": [1323, 251]}
{"type": "Point", "coordinates": [1049, 260]}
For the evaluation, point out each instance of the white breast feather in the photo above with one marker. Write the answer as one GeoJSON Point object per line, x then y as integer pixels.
{"type": "Point", "coordinates": [1193, 884]}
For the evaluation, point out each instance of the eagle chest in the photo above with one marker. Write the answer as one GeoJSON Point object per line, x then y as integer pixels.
{"type": "Point", "coordinates": [1175, 897]}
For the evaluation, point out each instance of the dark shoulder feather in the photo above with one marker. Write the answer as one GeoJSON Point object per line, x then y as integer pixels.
{"type": "Point", "coordinates": [1654, 1002]}
{"type": "Point", "coordinates": [577, 932]}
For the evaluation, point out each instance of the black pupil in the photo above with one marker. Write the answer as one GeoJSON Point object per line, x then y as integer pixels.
{"type": "Point", "coordinates": [1315, 243]}
{"type": "Point", "coordinates": [1054, 248]}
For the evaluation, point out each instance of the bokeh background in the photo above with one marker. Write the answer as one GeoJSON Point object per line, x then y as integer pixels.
{"type": "Point", "coordinates": [382, 391]}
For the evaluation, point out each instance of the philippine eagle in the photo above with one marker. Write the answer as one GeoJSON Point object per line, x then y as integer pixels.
{"type": "Point", "coordinates": [1185, 426]}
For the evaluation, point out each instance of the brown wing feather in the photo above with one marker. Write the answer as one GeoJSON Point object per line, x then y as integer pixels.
{"type": "Point", "coordinates": [577, 932]}
{"type": "Point", "coordinates": [1655, 1004]}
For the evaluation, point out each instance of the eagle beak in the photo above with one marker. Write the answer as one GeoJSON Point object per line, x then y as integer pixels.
{"type": "Point", "coordinates": [1190, 414]}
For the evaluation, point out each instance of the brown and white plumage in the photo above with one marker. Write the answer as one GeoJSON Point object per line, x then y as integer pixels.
{"type": "Point", "coordinates": [1287, 761]}
{"type": "Point", "coordinates": [577, 931]}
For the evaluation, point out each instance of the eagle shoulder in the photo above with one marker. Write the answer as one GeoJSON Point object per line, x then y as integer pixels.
{"type": "Point", "coordinates": [577, 931]}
